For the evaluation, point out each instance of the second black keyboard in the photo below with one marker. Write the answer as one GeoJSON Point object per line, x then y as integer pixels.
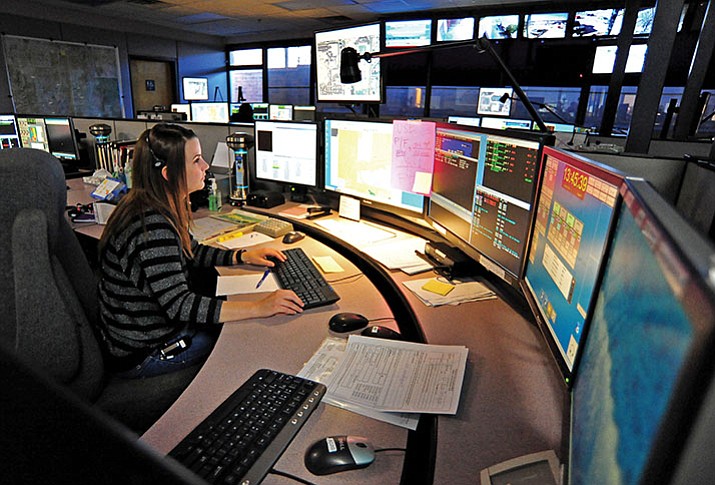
{"type": "Point", "coordinates": [242, 439]}
{"type": "Point", "coordinates": [299, 273]}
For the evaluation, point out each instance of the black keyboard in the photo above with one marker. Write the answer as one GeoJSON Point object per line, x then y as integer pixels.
{"type": "Point", "coordinates": [242, 439]}
{"type": "Point", "coordinates": [298, 273]}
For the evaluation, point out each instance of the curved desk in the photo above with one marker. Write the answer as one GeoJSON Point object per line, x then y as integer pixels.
{"type": "Point", "coordinates": [513, 401]}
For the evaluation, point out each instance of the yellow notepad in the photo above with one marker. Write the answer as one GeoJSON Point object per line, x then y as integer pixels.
{"type": "Point", "coordinates": [438, 287]}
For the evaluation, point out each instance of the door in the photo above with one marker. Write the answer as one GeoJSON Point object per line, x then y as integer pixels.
{"type": "Point", "coordinates": [153, 84]}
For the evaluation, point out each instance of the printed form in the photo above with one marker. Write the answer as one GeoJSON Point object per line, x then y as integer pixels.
{"type": "Point", "coordinates": [395, 376]}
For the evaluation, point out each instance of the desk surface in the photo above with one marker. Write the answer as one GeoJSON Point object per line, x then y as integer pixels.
{"type": "Point", "coordinates": [513, 402]}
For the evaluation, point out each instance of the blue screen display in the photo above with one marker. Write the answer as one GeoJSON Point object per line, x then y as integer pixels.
{"type": "Point", "coordinates": [572, 226]}
{"type": "Point", "coordinates": [636, 347]}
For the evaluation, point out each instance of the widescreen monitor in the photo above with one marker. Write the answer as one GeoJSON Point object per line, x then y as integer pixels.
{"type": "Point", "coordinates": [455, 29]}
{"type": "Point", "coordinates": [328, 47]}
{"type": "Point", "coordinates": [506, 123]}
{"type": "Point", "coordinates": [359, 162]}
{"type": "Point", "coordinates": [483, 191]}
{"type": "Point", "coordinates": [603, 22]}
{"type": "Point", "coordinates": [578, 200]}
{"type": "Point", "coordinates": [182, 108]}
{"type": "Point", "coordinates": [490, 101]}
{"type": "Point", "coordinates": [545, 25]}
{"type": "Point", "coordinates": [280, 112]}
{"type": "Point", "coordinates": [605, 58]}
{"type": "Point", "coordinates": [9, 137]}
{"type": "Point", "coordinates": [287, 152]}
{"type": "Point", "coordinates": [61, 139]}
{"type": "Point", "coordinates": [647, 360]}
{"type": "Point", "coordinates": [464, 120]}
{"type": "Point", "coordinates": [195, 88]}
{"type": "Point", "coordinates": [32, 132]}
{"type": "Point", "coordinates": [408, 33]}
{"type": "Point", "coordinates": [304, 113]}
{"type": "Point", "coordinates": [499, 26]}
{"type": "Point", "coordinates": [210, 112]}
{"type": "Point", "coordinates": [260, 111]}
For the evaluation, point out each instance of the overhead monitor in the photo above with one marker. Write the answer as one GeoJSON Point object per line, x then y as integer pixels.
{"type": "Point", "coordinates": [483, 191]}
{"type": "Point", "coordinates": [602, 22]}
{"type": "Point", "coordinates": [545, 25]}
{"type": "Point", "coordinates": [210, 112]}
{"type": "Point", "coordinates": [578, 201]}
{"type": "Point", "coordinates": [61, 139]}
{"type": "Point", "coordinates": [260, 111]}
{"type": "Point", "coordinates": [506, 123]}
{"type": "Point", "coordinates": [280, 112]}
{"type": "Point", "coordinates": [328, 47]}
{"type": "Point", "coordinates": [648, 357]}
{"type": "Point", "coordinates": [644, 21]}
{"type": "Point", "coordinates": [492, 101]}
{"type": "Point", "coordinates": [408, 33]}
{"type": "Point", "coordinates": [360, 161]}
{"type": "Point", "coordinates": [455, 29]}
{"type": "Point", "coordinates": [605, 58]}
{"type": "Point", "coordinates": [32, 132]}
{"type": "Point", "coordinates": [499, 26]}
{"type": "Point", "coordinates": [9, 137]}
{"type": "Point", "coordinates": [463, 120]}
{"type": "Point", "coordinates": [287, 152]}
{"type": "Point", "coordinates": [195, 88]}
{"type": "Point", "coordinates": [182, 108]}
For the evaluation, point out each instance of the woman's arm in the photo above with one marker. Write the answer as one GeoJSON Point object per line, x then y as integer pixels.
{"type": "Point", "coordinates": [279, 302]}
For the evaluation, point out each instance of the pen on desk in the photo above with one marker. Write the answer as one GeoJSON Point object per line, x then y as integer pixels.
{"type": "Point", "coordinates": [263, 278]}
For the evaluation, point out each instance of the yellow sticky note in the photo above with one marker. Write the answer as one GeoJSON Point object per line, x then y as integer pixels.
{"type": "Point", "coordinates": [438, 287]}
{"type": "Point", "coordinates": [327, 264]}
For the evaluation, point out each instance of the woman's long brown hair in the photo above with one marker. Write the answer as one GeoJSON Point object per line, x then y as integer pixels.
{"type": "Point", "coordinates": [161, 146]}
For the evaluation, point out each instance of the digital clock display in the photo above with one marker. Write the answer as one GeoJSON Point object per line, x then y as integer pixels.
{"type": "Point", "coordinates": [575, 181]}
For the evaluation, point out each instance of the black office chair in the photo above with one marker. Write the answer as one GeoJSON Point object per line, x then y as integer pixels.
{"type": "Point", "coordinates": [49, 309]}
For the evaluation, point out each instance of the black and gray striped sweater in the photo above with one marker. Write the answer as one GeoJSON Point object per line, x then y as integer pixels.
{"type": "Point", "coordinates": [144, 291]}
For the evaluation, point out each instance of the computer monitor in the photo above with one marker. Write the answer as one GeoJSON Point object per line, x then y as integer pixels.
{"type": "Point", "coordinates": [32, 132]}
{"type": "Point", "coordinates": [328, 47]}
{"type": "Point", "coordinates": [260, 111]}
{"type": "Point", "coordinates": [450, 29]}
{"type": "Point", "coordinates": [182, 108]}
{"type": "Point", "coordinates": [648, 357]}
{"type": "Point", "coordinates": [499, 26]}
{"type": "Point", "coordinates": [9, 137]}
{"type": "Point", "coordinates": [195, 88]}
{"type": "Point", "coordinates": [61, 139]}
{"type": "Point", "coordinates": [483, 191]}
{"type": "Point", "coordinates": [210, 112]}
{"type": "Point", "coordinates": [287, 152]}
{"type": "Point", "coordinates": [545, 25]}
{"type": "Point", "coordinates": [605, 58]}
{"type": "Point", "coordinates": [304, 113]}
{"type": "Point", "coordinates": [280, 112]}
{"type": "Point", "coordinates": [464, 120]}
{"type": "Point", "coordinates": [359, 162]}
{"type": "Point", "coordinates": [490, 101]}
{"type": "Point", "coordinates": [601, 22]}
{"type": "Point", "coordinates": [505, 123]}
{"type": "Point", "coordinates": [578, 200]}
{"type": "Point", "coordinates": [408, 33]}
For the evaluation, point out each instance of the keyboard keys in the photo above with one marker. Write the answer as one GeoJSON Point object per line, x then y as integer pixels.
{"type": "Point", "coordinates": [299, 273]}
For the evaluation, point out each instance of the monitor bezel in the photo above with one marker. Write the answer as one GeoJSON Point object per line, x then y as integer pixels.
{"type": "Point", "coordinates": [696, 255]}
{"type": "Point", "coordinates": [376, 98]}
{"type": "Point", "coordinates": [366, 202]}
{"type": "Point", "coordinates": [75, 145]}
{"type": "Point", "coordinates": [610, 175]}
{"type": "Point", "coordinates": [318, 148]}
{"type": "Point", "coordinates": [512, 279]}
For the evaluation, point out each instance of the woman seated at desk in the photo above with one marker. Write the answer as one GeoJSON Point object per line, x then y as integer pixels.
{"type": "Point", "coordinates": [152, 321]}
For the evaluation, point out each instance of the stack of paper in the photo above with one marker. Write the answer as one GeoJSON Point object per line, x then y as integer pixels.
{"type": "Point", "coordinates": [385, 379]}
{"type": "Point", "coordinates": [400, 254]}
{"type": "Point", "coordinates": [463, 292]}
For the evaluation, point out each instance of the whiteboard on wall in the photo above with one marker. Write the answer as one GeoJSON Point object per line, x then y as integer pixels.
{"type": "Point", "coordinates": [67, 78]}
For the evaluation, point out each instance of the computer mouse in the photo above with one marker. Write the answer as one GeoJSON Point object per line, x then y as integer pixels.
{"type": "Point", "coordinates": [347, 322]}
{"type": "Point", "coordinates": [381, 332]}
{"type": "Point", "coordinates": [293, 236]}
{"type": "Point", "coordinates": [338, 454]}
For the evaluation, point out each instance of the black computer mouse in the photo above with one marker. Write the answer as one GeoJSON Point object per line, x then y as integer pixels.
{"type": "Point", "coordinates": [293, 236]}
{"type": "Point", "coordinates": [338, 454]}
{"type": "Point", "coordinates": [347, 322]}
{"type": "Point", "coordinates": [381, 332]}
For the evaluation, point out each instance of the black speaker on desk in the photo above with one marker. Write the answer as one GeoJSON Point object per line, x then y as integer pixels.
{"type": "Point", "coordinates": [265, 199]}
{"type": "Point", "coordinates": [449, 261]}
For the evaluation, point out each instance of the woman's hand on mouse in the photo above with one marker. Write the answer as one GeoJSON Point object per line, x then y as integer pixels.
{"type": "Point", "coordinates": [280, 301]}
{"type": "Point", "coordinates": [260, 256]}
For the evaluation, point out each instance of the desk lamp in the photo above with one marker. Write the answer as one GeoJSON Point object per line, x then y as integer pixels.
{"type": "Point", "coordinates": [350, 72]}
{"type": "Point", "coordinates": [238, 173]}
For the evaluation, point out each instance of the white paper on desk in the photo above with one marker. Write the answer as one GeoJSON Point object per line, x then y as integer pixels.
{"type": "Point", "coordinates": [245, 283]}
{"type": "Point", "coordinates": [205, 228]}
{"type": "Point", "coordinates": [463, 292]}
{"type": "Point", "coordinates": [320, 368]}
{"type": "Point", "coordinates": [250, 239]}
{"type": "Point", "coordinates": [357, 234]}
{"type": "Point", "coordinates": [396, 376]}
{"type": "Point", "coordinates": [399, 253]}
